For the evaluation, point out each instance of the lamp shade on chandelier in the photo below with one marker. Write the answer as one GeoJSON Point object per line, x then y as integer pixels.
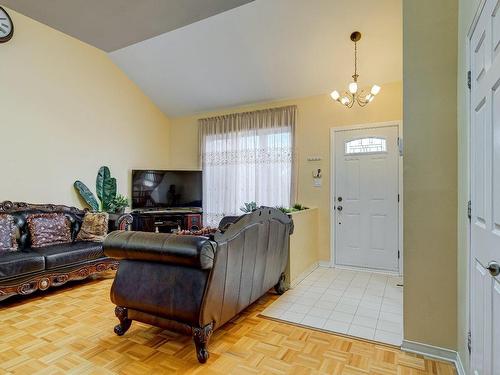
{"type": "Point", "coordinates": [354, 94]}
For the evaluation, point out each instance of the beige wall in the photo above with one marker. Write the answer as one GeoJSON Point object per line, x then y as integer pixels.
{"type": "Point", "coordinates": [65, 110]}
{"type": "Point", "coordinates": [303, 245]}
{"type": "Point", "coordinates": [467, 9]}
{"type": "Point", "coordinates": [430, 171]}
{"type": "Point", "coordinates": [316, 115]}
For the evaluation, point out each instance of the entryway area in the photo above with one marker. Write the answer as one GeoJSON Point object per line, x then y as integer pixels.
{"type": "Point", "coordinates": [361, 295]}
{"type": "Point", "coordinates": [362, 304]}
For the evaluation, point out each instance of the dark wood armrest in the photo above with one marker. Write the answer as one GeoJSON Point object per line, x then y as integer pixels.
{"type": "Point", "coordinates": [124, 221]}
{"type": "Point", "coordinates": [120, 221]}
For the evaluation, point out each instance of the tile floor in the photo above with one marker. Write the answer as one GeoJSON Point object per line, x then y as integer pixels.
{"type": "Point", "coordinates": [357, 303]}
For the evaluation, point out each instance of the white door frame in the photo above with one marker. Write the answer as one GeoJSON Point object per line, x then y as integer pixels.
{"type": "Point", "coordinates": [333, 130]}
{"type": "Point", "coordinates": [468, 119]}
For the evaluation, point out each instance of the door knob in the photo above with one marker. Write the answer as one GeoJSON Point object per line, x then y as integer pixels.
{"type": "Point", "coordinates": [339, 208]}
{"type": "Point", "coordinates": [494, 268]}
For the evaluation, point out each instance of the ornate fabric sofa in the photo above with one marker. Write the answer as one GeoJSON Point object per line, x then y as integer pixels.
{"type": "Point", "coordinates": [193, 284]}
{"type": "Point", "coordinates": [26, 270]}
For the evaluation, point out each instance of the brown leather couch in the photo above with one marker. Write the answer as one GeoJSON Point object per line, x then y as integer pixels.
{"type": "Point", "coordinates": [193, 284]}
{"type": "Point", "coordinates": [27, 270]}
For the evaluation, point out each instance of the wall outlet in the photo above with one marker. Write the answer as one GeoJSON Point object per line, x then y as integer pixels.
{"type": "Point", "coordinates": [317, 182]}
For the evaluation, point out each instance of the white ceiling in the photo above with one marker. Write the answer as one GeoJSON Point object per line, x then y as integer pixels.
{"type": "Point", "coordinates": [267, 50]}
{"type": "Point", "coordinates": [113, 24]}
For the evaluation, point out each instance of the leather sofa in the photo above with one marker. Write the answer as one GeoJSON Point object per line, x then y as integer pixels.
{"type": "Point", "coordinates": [26, 270]}
{"type": "Point", "coordinates": [194, 284]}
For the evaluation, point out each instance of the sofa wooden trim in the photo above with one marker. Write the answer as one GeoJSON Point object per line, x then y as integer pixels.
{"type": "Point", "coordinates": [46, 279]}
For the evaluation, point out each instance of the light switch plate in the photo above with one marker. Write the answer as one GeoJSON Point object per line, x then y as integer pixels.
{"type": "Point", "coordinates": [317, 182]}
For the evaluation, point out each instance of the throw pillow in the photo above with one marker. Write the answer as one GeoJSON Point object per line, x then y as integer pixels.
{"type": "Point", "coordinates": [7, 233]}
{"type": "Point", "coordinates": [94, 227]}
{"type": "Point", "coordinates": [49, 229]}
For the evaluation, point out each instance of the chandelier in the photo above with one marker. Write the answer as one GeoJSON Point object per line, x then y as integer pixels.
{"type": "Point", "coordinates": [353, 95]}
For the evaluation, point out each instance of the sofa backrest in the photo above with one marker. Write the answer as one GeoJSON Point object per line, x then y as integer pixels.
{"type": "Point", "coordinates": [20, 211]}
{"type": "Point", "coordinates": [251, 255]}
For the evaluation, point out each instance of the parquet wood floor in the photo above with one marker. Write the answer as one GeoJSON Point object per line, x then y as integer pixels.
{"type": "Point", "coordinates": [70, 331]}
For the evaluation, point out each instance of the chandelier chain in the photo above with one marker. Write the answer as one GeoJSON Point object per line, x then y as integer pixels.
{"type": "Point", "coordinates": [355, 76]}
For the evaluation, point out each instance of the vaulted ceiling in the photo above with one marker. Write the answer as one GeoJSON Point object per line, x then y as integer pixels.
{"type": "Point", "coordinates": [260, 51]}
{"type": "Point", "coordinates": [113, 24]}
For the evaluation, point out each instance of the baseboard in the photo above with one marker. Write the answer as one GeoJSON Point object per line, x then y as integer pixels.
{"type": "Point", "coordinates": [436, 352]}
{"type": "Point", "coordinates": [325, 263]}
{"type": "Point", "coordinates": [460, 366]}
{"type": "Point", "coordinates": [304, 274]}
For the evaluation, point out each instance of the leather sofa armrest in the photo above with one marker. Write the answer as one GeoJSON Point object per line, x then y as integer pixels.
{"type": "Point", "coordinates": [190, 251]}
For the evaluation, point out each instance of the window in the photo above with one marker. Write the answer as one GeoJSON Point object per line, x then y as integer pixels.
{"type": "Point", "coordinates": [365, 145]}
{"type": "Point", "coordinates": [246, 157]}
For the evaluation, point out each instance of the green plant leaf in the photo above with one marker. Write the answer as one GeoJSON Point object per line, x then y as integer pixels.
{"type": "Point", "coordinates": [102, 175]}
{"type": "Point", "coordinates": [109, 193]}
{"type": "Point", "coordinates": [86, 195]}
{"type": "Point", "coordinates": [105, 187]}
{"type": "Point", "coordinates": [249, 207]}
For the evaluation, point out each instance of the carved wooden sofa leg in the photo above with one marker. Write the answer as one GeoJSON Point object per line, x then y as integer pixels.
{"type": "Point", "coordinates": [122, 314]}
{"type": "Point", "coordinates": [201, 337]}
{"type": "Point", "coordinates": [280, 288]}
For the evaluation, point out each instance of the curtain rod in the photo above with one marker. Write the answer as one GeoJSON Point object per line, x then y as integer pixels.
{"type": "Point", "coordinates": [248, 112]}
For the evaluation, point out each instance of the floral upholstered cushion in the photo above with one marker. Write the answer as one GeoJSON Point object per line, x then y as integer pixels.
{"type": "Point", "coordinates": [49, 229]}
{"type": "Point", "coordinates": [7, 233]}
{"type": "Point", "coordinates": [94, 227]}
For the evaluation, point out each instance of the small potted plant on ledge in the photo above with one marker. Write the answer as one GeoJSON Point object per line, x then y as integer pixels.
{"type": "Point", "coordinates": [296, 207]}
{"type": "Point", "coordinates": [252, 206]}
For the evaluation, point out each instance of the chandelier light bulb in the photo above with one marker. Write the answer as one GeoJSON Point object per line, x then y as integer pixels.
{"type": "Point", "coordinates": [375, 89]}
{"type": "Point", "coordinates": [335, 95]}
{"type": "Point", "coordinates": [345, 100]}
{"type": "Point", "coordinates": [353, 87]}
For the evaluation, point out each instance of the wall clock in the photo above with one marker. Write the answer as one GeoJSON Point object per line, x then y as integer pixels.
{"type": "Point", "coordinates": [6, 26]}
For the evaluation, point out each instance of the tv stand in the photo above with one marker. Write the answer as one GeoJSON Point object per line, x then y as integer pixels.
{"type": "Point", "coordinates": [165, 220]}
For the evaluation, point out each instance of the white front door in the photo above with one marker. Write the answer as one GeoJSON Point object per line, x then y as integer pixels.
{"type": "Point", "coordinates": [485, 191]}
{"type": "Point", "coordinates": [366, 198]}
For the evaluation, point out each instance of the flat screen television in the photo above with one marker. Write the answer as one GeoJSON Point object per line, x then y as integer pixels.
{"type": "Point", "coordinates": [152, 189]}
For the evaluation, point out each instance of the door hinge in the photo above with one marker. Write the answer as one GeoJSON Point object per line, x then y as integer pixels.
{"type": "Point", "coordinates": [469, 342]}
{"type": "Point", "coordinates": [398, 197]}
{"type": "Point", "coordinates": [400, 146]}
{"type": "Point", "coordinates": [399, 254]}
{"type": "Point", "coordinates": [469, 79]}
{"type": "Point", "coordinates": [469, 210]}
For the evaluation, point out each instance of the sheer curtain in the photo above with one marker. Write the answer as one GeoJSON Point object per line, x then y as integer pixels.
{"type": "Point", "coordinates": [247, 157]}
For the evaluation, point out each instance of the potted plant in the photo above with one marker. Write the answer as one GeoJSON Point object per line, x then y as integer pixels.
{"type": "Point", "coordinates": [107, 200]}
{"type": "Point", "coordinates": [118, 204]}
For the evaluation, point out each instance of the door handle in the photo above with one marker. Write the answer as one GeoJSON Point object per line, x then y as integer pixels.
{"type": "Point", "coordinates": [494, 268]}
{"type": "Point", "coordinates": [340, 208]}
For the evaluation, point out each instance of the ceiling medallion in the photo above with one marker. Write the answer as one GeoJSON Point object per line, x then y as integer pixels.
{"type": "Point", "coordinates": [353, 95]}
